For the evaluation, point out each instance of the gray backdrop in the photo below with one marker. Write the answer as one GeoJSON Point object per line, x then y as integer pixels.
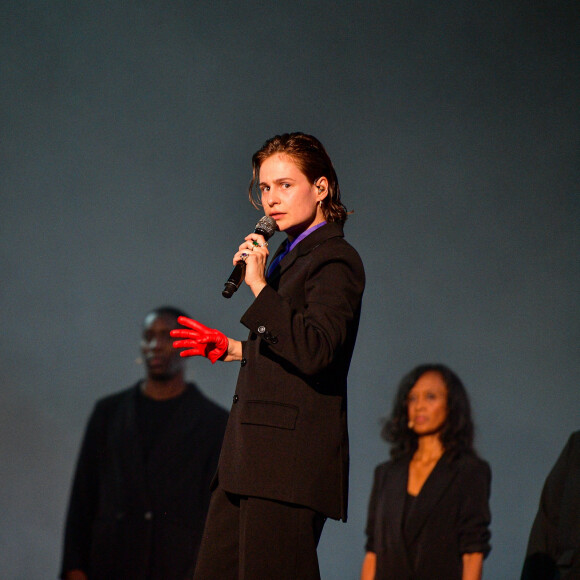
{"type": "Point", "coordinates": [126, 135]}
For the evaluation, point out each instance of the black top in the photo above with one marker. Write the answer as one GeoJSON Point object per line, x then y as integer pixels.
{"type": "Point", "coordinates": [154, 416]}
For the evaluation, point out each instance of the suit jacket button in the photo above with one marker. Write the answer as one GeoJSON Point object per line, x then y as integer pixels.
{"type": "Point", "coordinates": [236, 398]}
{"type": "Point", "coordinates": [243, 362]}
{"type": "Point", "coordinates": [261, 329]}
{"type": "Point", "coordinates": [274, 340]}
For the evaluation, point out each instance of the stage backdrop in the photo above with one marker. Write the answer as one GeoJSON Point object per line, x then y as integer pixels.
{"type": "Point", "coordinates": [127, 130]}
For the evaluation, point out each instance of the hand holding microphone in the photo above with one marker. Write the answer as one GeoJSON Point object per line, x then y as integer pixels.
{"type": "Point", "coordinates": [199, 340]}
{"type": "Point", "coordinates": [265, 227]}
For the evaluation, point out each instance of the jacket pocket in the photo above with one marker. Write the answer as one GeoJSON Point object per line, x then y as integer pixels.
{"type": "Point", "coordinates": [269, 414]}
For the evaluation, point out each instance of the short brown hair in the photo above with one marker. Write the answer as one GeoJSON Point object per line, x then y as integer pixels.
{"type": "Point", "coordinates": [312, 159]}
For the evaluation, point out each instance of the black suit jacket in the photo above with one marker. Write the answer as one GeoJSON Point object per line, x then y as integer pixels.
{"type": "Point", "coordinates": [554, 544]}
{"type": "Point", "coordinates": [448, 518]}
{"type": "Point", "coordinates": [287, 436]}
{"type": "Point", "coordinates": [132, 519]}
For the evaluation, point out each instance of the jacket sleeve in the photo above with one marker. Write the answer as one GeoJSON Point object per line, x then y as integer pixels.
{"type": "Point", "coordinates": [371, 514]}
{"type": "Point", "coordinates": [543, 548]}
{"type": "Point", "coordinates": [309, 336]}
{"type": "Point", "coordinates": [474, 515]}
{"type": "Point", "coordinates": [83, 499]}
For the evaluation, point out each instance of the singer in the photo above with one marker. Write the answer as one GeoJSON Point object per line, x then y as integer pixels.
{"type": "Point", "coordinates": [284, 463]}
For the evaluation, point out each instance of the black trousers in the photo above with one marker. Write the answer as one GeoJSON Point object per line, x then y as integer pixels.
{"type": "Point", "coordinates": [250, 538]}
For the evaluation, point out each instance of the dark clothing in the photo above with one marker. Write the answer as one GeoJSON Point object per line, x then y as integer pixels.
{"type": "Point", "coordinates": [278, 540]}
{"type": "Point", "coordinates": [554, 544]}
{"type": "Point", "coordinates": [286, 442]}
{"type": "Point", "coordinates": [287, 437]}
{"type": "Point", "coordinates": [450, 517]}
{"type": "Point", "coordinates": [153, 416]}
{"type": "Point", "coordinates": [134, 515]}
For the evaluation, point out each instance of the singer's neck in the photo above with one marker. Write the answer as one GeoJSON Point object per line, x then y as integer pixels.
{"type": "Point", "coordinates": [295, 237]}
{"type": "Point", "coordinates": [429, 449]}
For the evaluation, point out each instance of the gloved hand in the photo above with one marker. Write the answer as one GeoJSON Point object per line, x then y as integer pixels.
{"type": "Point", "coordinates": [199, 340]}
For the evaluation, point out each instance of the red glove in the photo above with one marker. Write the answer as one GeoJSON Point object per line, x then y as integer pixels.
{"type": "Point", "coordinates": [200, 340]}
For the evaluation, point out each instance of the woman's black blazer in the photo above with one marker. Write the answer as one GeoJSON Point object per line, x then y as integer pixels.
{"type": "Point", "coordinates": [449, 517]}
{"type": "Point", "coordinates": [287, 437]}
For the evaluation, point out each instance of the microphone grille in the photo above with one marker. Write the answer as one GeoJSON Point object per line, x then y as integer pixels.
{"type": "Point", "coordinates": [266, 226]}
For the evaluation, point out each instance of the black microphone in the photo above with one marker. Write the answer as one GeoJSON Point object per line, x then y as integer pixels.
{"type": "Point", "coordinates": [265, 227]}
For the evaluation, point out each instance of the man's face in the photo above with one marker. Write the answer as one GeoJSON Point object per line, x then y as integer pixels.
{"type": "Point", "coordinates": [161, 359]}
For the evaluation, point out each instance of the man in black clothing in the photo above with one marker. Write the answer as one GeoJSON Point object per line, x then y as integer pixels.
{"type": "Point", "coordinates": [141, 488]}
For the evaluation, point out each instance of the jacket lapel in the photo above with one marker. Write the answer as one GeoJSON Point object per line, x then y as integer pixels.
{"type": "Point", "coordinates": [398, 489]}
{"type": "Point", "coordinates": [437, 483]}
{"type": "Point", "coordinates": [330, 230]}
{"type": "Point", "coordinates": [392, 498]}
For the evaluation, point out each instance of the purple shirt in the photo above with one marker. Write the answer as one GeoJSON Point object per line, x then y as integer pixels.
{"type": "Point", "coordinates": [290, 246]}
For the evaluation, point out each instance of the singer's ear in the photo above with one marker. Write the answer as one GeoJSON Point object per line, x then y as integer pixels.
{"type": "Point", "coordinates": [321, 185]}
